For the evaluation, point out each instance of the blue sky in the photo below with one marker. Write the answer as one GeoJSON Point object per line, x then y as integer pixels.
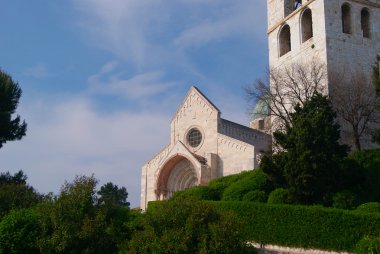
{"type": "Point", "coordinates": [101, 79]}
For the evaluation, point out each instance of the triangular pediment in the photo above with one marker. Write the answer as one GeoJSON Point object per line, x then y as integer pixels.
{"type": "Point", "coordinates": [195, 99]}
{"type": "Point", "coordinates": [179, 149]}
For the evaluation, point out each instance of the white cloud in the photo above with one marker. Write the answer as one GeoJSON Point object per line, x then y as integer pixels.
{"type": "Point", "coordinates": [138, 87]}
{"type": "Point", "coordinates": [146, 32]}
{"type": "Point", "coordinates": [70, 137]}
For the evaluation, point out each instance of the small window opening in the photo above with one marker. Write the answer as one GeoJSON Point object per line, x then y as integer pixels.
{"type": "Point", "coordinates": [297, 4]}
{"type": "Point", "coordinates": [365, 23]}
{"type": "Point", "coordinates": [346, 18]}
{"type": "Point", "coordinates": [284, 40]}
{"type": "Point", "coordinates": [307, 25]}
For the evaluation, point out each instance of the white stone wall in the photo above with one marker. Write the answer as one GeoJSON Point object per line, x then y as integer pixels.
{"type": "Point", "coordinates": [227, 147]}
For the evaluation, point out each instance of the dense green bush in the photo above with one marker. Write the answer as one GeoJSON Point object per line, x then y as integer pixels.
{"type": "Point", "coordinates": [255, 196]}
{"type": "Point", "coordinates": [303, 226]}
{"type": "Point", "coordinates": [19, 232]}
{"type": "Point", "coordinates": [220, 184]}
{"type": "Point", "coordinates": [198, 193]}
{"type": "Point", "coordinates": [371, 207]}
{"type": "Point", "coordinates": [255, 180]}
{"type": "Point", "coordinates": [188, 226]}
{"type": "Point", "coordinates": [344, 199]}
{"type": "Point", "coordinates": [279, 196]}
{"type": "Point", "coordinates": [368, 245]}
{"type": "Point", "coordinates": [369, 161]}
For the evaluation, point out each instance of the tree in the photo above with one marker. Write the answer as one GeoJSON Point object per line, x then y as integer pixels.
{"type": "Point", "coordinates": [287, 87]}
{"type": "Point", "coordinates": [357, 105]}
{"type": "Point", "coordinates": [74, 222]}
{"type": "Point", "coordinates": [313, 153]}
{"type": "Point", "coordinates": [15, 193]}
{"type": "Point", "coordinates": [19, 232]}
{"type": "Point", "coordinates": [110, 194]}
{"type": "Point", "coordinates": [10, 93]}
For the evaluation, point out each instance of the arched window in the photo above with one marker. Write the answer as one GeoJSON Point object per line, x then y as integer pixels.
{"type": "Point", "coordinates": [346, 18]}
{"type": "Point", "coordinates": [284, 40]}
{"type": "Point", "coordinates": [365, 23]}
{"type": "Point", "coordinates": [306, 25]}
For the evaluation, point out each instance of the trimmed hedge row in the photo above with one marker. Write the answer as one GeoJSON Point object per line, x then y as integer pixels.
{"type": "Point", "coordinates": [304, 226]}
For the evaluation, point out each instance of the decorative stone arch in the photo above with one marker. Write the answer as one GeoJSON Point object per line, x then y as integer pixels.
{"type": "Point", "coordinates": [365, 22]}
{"type": "Point", "coordinates": [346, 18]}
{"type": "Point", "coordinates": [284, 40]}
{"type": "Point", "coordinates": [306, 25]}
{"type": "Point", "coordinates": [179, 172]}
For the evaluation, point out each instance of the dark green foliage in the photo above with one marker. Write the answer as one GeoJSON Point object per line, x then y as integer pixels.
{"type": "Point", "coordinates": [19, 232]}
{"type": "Point", "coordinates": [74, 222]}
{"type": "Point", "coordinates": [376, 136]}
{"type": "Point", "coordinates": [279, 196]}
{"type": "Point", "coordinates": [303, 226]}
{"type": "Point", "coordinates": [220, 184]}
{"type": "Point", "coordinates": [15, 193]}
{"type": "Point", "coordinates": [255, 196]}
{"type": "Point", "coordinates": [273, 165]}
{"type": "Point", "coordinates": [369, 162]}
{"type": "Point", "coordinates": [255, 180]}
{"type": "Point", "coordinates": [313, 152]}
{"type": "Point", "coordinates": [371, 207]}
{"type": "Point", "coordinates": [10, 93]}
{"type": "Point", "coordinates": [368, 245]}
{"type": "Point", "coordinates": [198, 193]}
{"type": "Point", "coordinates": [110, 194]}
{"type": "Point", "coordinates": [188, 226]}
{"type": "Point", "coordinates": [344, 200]}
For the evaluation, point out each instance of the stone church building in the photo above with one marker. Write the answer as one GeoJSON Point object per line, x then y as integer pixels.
{"type": "Point", "coordinates": [203, 146]}
{"type": "Point", "coordinates": [343, 35]}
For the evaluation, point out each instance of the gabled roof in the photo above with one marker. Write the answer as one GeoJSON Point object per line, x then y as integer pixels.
{"type": "Point", "coordinates": [194, 89]}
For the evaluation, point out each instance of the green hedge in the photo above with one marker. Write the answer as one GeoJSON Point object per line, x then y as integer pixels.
{"type": "Point", "coordinates": [304, 226]}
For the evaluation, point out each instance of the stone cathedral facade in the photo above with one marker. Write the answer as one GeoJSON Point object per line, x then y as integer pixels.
{"type": "Point", "coordinates": [203, 146]}
{"type": "Point", "coordinates": [343, 35]}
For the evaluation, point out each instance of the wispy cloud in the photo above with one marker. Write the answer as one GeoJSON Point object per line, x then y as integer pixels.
{"type": "Point", "coordinates": [153, 31]}
{"type": "Point", "coordinates": [140, 86]}
{"type": "Point", "coordinates": [38, 71]}
{"type": "Point", "coordinates": [69, 137]}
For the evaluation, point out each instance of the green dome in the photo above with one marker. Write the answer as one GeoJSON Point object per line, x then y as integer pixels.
{"type": "Point", "coordinates": [260, 110]}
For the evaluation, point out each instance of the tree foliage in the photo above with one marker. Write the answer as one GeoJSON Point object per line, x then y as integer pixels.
{"type": "Point", "coordinates": [74, 223]}
{"type": "Point", "coordinates": [15, 193]}
{"type": "Point", "coordinates": [110, 194]}
{"type": "Point", "coordinates": [19, 232]}
{"type": "Point", "coordinates": [313, 153]}
{"type": "Point", "coordinates": [10, 93]}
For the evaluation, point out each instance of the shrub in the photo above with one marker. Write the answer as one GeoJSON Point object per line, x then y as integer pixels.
{"type": "Point", "coordinates": [253, 180]}
{"type": "Point", "coordinates": [368, 245]}
{"type": "Point", "coordinates": [185, 226]}
{"type": "Point", "coordinates": [198, 193]}
{"type": "Point", "coordinates": [369, 161]}
{"type": "Point", "coordinates": [371, 207]}
{"type": "Point", "coordinates": [220, 184]}
{"type": "Point", "coordinates": [255, 196]}
{"type": "Point", "coordinates": [279, 196]}
{"type": "Point", "coordinates": [303, 226]}
{"type": "Point", "coordinates": [344, 200]}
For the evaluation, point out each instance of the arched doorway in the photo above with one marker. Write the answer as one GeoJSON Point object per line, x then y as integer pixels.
{"type": "Point", "coordinates": [176, 174]}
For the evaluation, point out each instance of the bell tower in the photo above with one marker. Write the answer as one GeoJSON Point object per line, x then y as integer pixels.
{"type": "Point", "coordinates": [342, 34]}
